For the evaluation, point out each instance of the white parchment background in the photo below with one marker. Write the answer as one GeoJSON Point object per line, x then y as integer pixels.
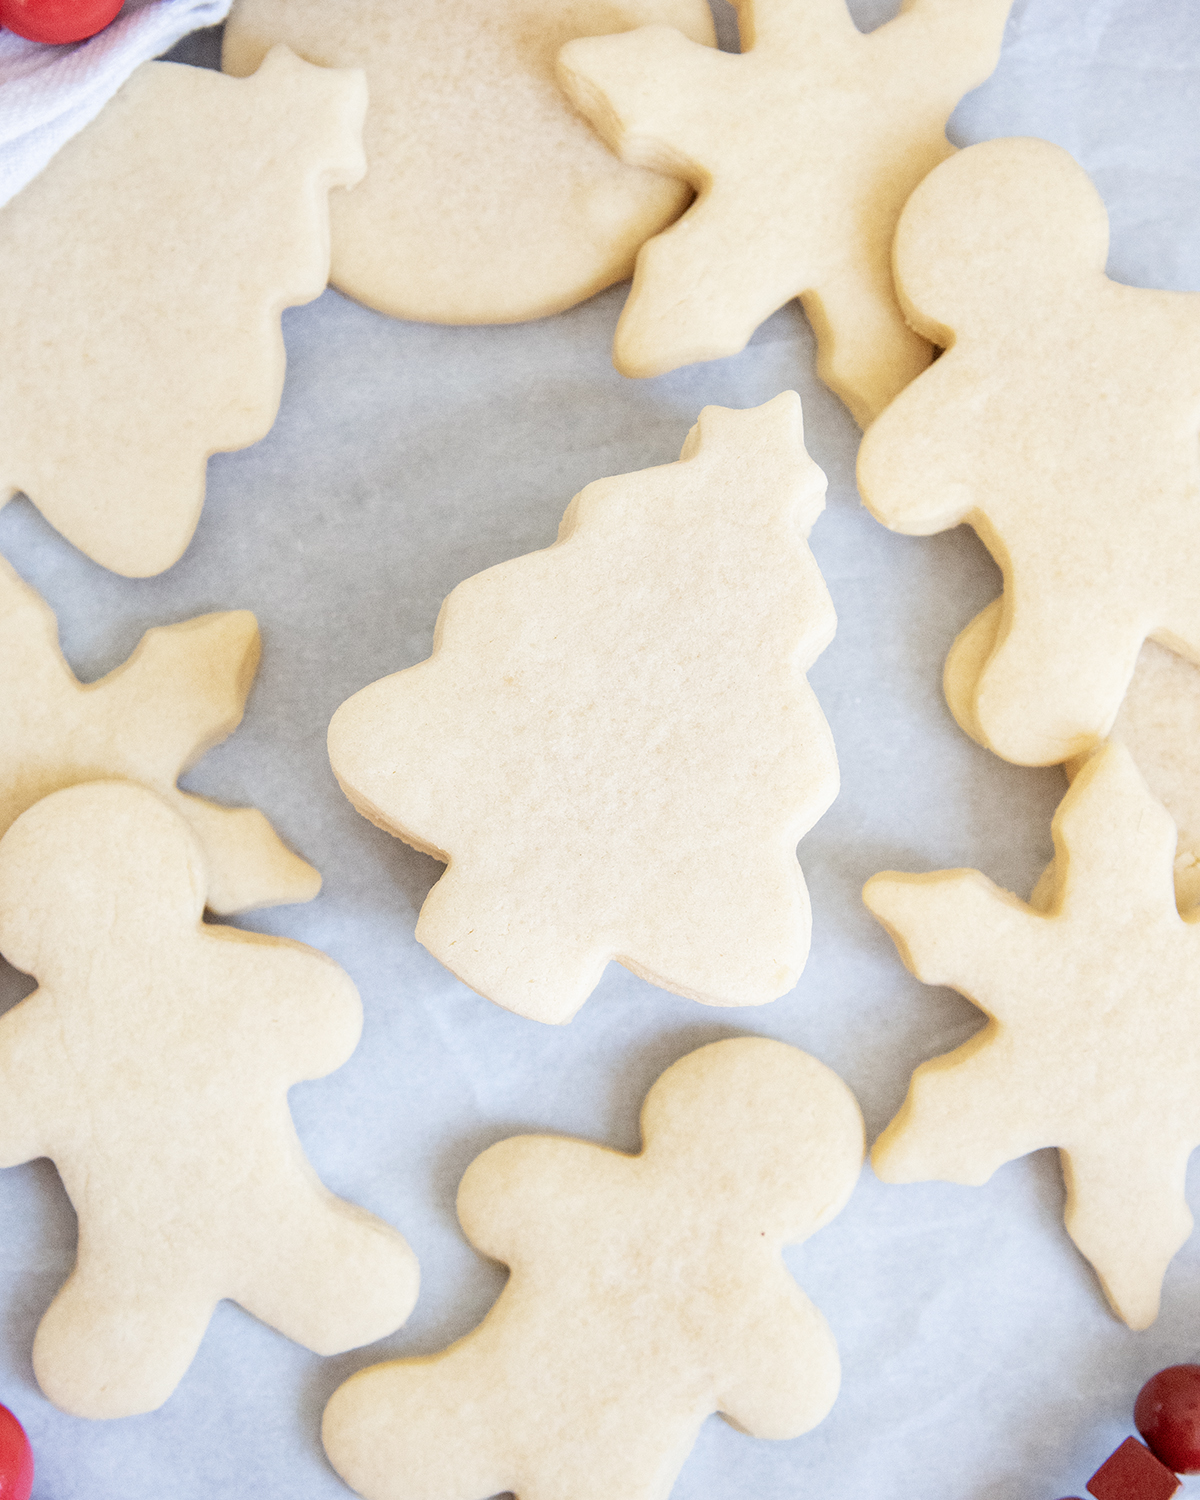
{"type": "Point", "coordinates": [980, 1361]}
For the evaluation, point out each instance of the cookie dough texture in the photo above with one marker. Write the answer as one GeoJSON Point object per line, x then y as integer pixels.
{"type": "Point", "coordinates": [181, 692]}
{"type": "Point", "coordinates": [613, 745]}
{"type": "Point", "coordinates": [142, 276]}
{"type": "Point", "coordinates": [1092, 1043]}
{"type": "Point", "coordinates": [802, 151]}
{"type": "Point", "coordinates": [1063, 425]}
{"type": "Point", "coordinates": [646, 1293]}
{"type": "Point", "coordinates": [488, 199]}
{"type": "Point", "coordinates": [152, 1066]}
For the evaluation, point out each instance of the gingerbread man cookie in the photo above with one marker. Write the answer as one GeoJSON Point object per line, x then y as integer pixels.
{"type": "Point", "coordinates": [646, 1293]}
{"type": "Point", "coordinates": [181, 692]}
{"type": "Point", "coordinates": [802, 151]}
{"type": "Point", "coordinates": [1063, 426]}
{"type": "Point", "coordinates": [142, 276]}
{"type": "Point", "coordinates": [613, 744]}
{"type": "Point", "coordinates": [152, 1066]}
{"type": "Point", "coordinates": [1093, 1040]}
{"type": "Point", "coordinates": [488, 199]}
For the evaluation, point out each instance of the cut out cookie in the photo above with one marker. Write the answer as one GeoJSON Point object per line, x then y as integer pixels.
{"type": "Point", "coordinates": [1062, 426]}
{"type": "Point", "coordinates": [152, 1066]}
{"type": "Point", "coordinates": [181, 692]}
{"type": "Point", "coordinates": [646, 1293]}
{"type": "Point", "coordinates": [1093, 1043]}
{"type": "Point", "coordinates": [142, 276]}
{"type": "Point", "coordinates": [613, 744]}
{"type": "Point", "coordinates": [488, 199]}
{"type": "Point", "coordinates": [803, 150]}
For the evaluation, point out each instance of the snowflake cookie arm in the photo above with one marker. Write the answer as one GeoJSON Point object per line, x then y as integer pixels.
{"type": "Point", "coordinates": [954, 43]}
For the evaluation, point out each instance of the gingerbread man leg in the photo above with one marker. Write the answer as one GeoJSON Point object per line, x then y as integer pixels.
{"type": "Point", "coordinates": [686, 305]}
{"type": "Point", "coordinates": [120, 1335]}
{"type": "Point", "coordinates": [325, 1273]}
{"type": "Point", "coordinates": [1127, 1213]}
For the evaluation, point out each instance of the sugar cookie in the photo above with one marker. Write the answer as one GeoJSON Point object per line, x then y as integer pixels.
{"type": "Point", "coordinates": [803, 150]}
{"type": "Point", "coordinates": [1093, 1043]}
{"type": "Point", "coordinates": [488, 199]}
{"type": "Point", "coordinates": [181, 692]}
{"type": "Point", "coordinates": [152, 1066]}
{"type": "Point", "coordinates": [613, 744]}
{"type": "Point", "coordinates": [1062, 426]}
{"type": "Point", "coordinates": [142, 275]}
{"type": "Point", "coordinates": [646, 1293]}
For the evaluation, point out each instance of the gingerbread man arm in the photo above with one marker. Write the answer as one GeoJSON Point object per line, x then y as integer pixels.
{"type": "Point", "coordinates": [23, 1046]}
{"type": "Point", "coordinates": [789, 1372]}
{"type": "Point", "coordinates": [947, 926]}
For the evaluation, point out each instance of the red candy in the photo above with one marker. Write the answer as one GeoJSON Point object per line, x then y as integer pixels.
{"type": "Point", "coordinates": [1132, 1473]}
{"type": "Point", "coordinates": [1167, 1415]}
{"type": "Point", "coordinates": [16, 1459]}
{"type": "Point", "coordinates": [57, 21]}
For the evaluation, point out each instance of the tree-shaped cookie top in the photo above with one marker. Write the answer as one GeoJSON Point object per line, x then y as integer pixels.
{"type": "Point", "coordinates": [646, 1293]}
{"type": "Point", "coordinates": [181, 692]}
{"type": "Point", "coordinates": [1093, 1044]}
{"type": "Point", "coordinates": [488, 199]}
{"type": "Point", "coordinates": [142, 275]}
{"type": "Point", "coordinates": [613, 744]}
{"type": "Point", "coordinates": [802, 150]}
{"type": "Point", "coordinates": [152, 1065]}
{"type": "Point", "coordinates": [1062, 425]}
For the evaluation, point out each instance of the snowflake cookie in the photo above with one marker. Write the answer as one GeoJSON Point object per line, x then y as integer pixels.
{"type": "Point", "coordinates": [802, 151]}
{"type": "Point", "coordinates": [488, 199]}
{"type": "Point", "coordinates": [142, 276]}
{"type": "Point", "coordinates": [646, 1293]}
{"type": "Point", "coordinates": [613, 745]}
{"type": "Point", "coordinates": [1063, 426]}
{"type": "Point", "coordinates": [181, 692]}
{"type": "Point", "coordinates": [1092, 1043]}
{"type": "Point", "coordinates": [152, 1066]}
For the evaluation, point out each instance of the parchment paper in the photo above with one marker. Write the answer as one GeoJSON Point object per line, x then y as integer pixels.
{"type": "Point", "coordinates": [980, 1360]}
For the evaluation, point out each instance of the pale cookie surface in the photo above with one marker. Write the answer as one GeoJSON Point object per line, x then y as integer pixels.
{"type": "Point", "coordinates": [1063, 426]}
{"type": "Point", "coordinates": [488, 199]}
{"type": "Point", "coordinates": [1092, 1043]}
{"type": "Point", "coordinates": [152, 1066]}
{"type": "Point", "coordinates": [181, 692]}
{"type": "Point", "coordinates": [613, 744]}
{"type": "Point", "coordinates": [142, 276]}
{"type": "Point", "coordinates": [647, 1292]}
{"type": "Point", "coordinates": [803, 150]}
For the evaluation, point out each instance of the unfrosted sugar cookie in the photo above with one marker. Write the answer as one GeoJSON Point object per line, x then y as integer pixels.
{"type": "Point", "coordinates": [152, 1066]}
{"type": "Point", "coordinates": [1093, 1038]}
{"type": "Point", "coordinates": [181, 692]}
{"type": "Point", "coordinates": [1063, 426]}
{"type": "Point", "coordinates": [488, 199]}
{"type": "Point", "coordinates": [613, 744]}
{"type": "Point", "coordinates": [646, 1293]}
{"type": "Point", "coordinates": [142, 276]}
{"type": "Point", "coordinates": [802, 150]}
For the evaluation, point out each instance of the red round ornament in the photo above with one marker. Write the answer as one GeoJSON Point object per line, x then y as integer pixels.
{"type": "Point", "coordinates": [57, 20]}
{"type": "Point", "coordinates": [16, 1459]}
{"type": "Point", "coordinates": [1167, 1414]}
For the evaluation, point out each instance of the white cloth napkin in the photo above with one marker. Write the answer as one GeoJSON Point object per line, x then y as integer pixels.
{"type": "Point", "coordinates": [48, 94]}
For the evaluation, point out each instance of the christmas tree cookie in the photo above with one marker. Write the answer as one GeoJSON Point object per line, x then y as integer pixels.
{"type": "Point", "coordinates": [1063, 426]}
{"type": "Point", "coordinates": [1093, 1038]}
{"type": "Point", "coordinates": [646, 1293]}
{"type": "Point", "coordinates": [181, 692]}
{"type": "Point", "coordinates": [152, 1066]}
{"type": "Point", "coordinates": [142, 276]}
{"type": "Point", "coordinates": [488, 199]}
{"type": "Point", "coordinates": [613, 745]}
{"type": "Point", "coordinates": [802, 151]}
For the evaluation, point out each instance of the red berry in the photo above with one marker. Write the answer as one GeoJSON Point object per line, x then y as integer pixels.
{"type": "Point", "coordinates": [16, 1459]}
{"type": "Point", "coordinates": [57, 20]}
{"type": "Point", "coordinates": [1167, 1414]}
